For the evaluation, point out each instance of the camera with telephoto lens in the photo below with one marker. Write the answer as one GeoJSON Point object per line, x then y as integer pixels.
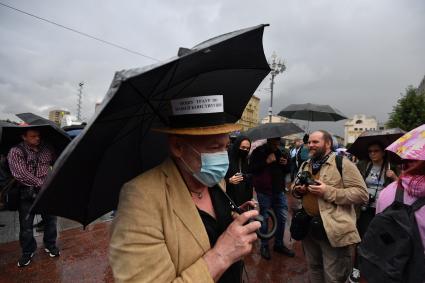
{"type": "Point", "coordinates": [305, 178]}
{"type": "Point", "coordinates": [371, 200]}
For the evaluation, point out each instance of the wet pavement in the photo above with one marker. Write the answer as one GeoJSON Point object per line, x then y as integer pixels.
{"type": "Point", "coordinates": [84, 259]}
{"type": "Point", "coordinates": [9, 225]}
{"type": "Point", "coordinates": [84, 256]}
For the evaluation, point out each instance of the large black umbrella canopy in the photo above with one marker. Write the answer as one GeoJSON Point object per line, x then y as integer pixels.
{"type": "Point", "coordinates": [118, 143]}
{"type": "Point", "coordinates": [312, 112]}
{"type": "Point", "coordinates": [5, 124]}
{"type": "Point", "coordinates": [12, 135]}
{"type": "Point", "coordinates": [272, 130]}
{"type": "Point", "coordinates": [33, 119]}
{"type": "Point", "coordinates": [386, 137]}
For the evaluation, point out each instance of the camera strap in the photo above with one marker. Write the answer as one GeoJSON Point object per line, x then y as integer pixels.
{"type": "Point", "coordinates": [379, 177]}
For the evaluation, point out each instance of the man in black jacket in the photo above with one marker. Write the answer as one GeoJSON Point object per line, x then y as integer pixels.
{"type": "Point", "coordinates": [269, 165]}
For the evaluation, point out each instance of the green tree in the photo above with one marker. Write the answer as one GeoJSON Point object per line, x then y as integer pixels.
{"type": "Point", "coordinates": [409, 112]}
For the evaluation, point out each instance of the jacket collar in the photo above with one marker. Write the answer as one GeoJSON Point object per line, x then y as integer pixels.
{"type": "Point", "coordinates": [331, 158]}
{"type": "Point", "coordinates": [183, 205]}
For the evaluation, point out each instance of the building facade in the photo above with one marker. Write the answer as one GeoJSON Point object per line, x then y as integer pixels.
{"type": "Point", "coordinates": [251, 115]}
{"type": "Point", "coordinates": [357, 125]}
{"type": "Point", "coordinates": [275, 119]}
{"type": "Point", "coordinates": [57, 115]}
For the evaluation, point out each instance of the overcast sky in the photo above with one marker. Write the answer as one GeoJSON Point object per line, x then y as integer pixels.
{"type": "Point", "coordinates": [357, 56]}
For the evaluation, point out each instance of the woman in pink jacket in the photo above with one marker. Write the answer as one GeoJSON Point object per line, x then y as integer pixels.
{"type": "Point", "coordinates": [413, 181]}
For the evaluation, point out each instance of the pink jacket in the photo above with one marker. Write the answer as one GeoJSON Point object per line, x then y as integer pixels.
{"type": "Point", "coordinates": [387, 197]}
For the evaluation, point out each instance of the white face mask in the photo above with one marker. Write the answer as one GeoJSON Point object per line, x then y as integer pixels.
{"type": "Point", "coordinates": [214, 167]}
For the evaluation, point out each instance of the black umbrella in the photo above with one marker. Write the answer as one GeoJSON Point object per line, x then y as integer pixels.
{"type": "Point", "coordinates": [385, 137]}
{"type": "Point", "coordinates": [11, 136]}
{"type": "Point", "coordinates": [312, 112]}
{"type": "Point", "coordinates": [272, 130]}
{"type": "Point", "coordinates": [33, 119]}
{"type": "Point", "coordinates": [117, 144]}
{"type": "Point", "coordinates": [5, 124]}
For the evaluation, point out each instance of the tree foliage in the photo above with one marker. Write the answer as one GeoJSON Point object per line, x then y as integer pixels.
{"type": "Point", "coordinates": [409, 112]}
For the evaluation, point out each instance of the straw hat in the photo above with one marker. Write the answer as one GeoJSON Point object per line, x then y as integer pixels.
{"type": "Point", "coordinates": [200, 115]}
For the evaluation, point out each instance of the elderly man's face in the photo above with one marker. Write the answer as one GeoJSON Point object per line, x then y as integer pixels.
{"type": "Point", "coordinates": [190, 146]}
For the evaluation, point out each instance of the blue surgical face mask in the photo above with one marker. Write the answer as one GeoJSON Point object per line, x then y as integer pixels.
{"type": "Point", "coordinates": [214, 167]}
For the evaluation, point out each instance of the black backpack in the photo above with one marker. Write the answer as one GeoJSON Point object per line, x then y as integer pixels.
{"type": "Point", "coordinates": [9, 186]}
{"type": "Point", "coordinates": [391, 249]}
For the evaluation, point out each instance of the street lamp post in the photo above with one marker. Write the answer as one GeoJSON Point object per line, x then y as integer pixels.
{"type": "Point", "coordinates": [277, 67]}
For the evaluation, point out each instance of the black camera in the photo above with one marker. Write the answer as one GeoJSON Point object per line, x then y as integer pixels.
{"type": "Point", "coordinates": [305, 178]}
{"type": "Point", "coordinates": [371, 200]}
{"type": "Point", "coordinates": [270, 215]}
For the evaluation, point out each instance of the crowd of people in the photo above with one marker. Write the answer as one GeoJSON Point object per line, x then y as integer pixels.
{"type": "Point", "coordinates": [174, 223]}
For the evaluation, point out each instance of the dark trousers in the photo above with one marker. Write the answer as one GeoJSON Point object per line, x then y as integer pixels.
{"type": "Point", "coordinates": [366, 216]}
{"type": "Point", "coordinates": [276, 201]}
{"type": "Point", "coordinates": [26, 232]}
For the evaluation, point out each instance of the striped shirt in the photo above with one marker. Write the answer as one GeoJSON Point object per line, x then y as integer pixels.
{"type": "Point", "coordinates": [32, 171]}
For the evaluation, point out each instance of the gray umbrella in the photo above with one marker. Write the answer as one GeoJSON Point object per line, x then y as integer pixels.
{"type": "Point", "coordinates": [118, 143]}
{"type": "Point", "coordinates": [272, 130]}
{"type": "Point", "coordinates": [312, 112]}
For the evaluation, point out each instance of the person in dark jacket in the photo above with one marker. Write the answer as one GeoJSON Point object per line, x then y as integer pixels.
{"type": "Point", "coordinates": [269, 166]}
{"type": "Point", "coordinates": [238, 181]}
{"type": "Point", "coordinates": [377, 173]}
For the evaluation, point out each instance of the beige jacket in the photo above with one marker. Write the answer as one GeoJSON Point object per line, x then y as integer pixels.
{"type": "Point", "coordinates": [158, 235]}
{"type": "Point", "coordinates": [337, 205]}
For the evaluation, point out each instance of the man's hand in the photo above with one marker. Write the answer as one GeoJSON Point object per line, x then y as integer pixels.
{"type": "Point", "coordinates": [236, 179]}
{"type": "Point", "coordinates": [391, 174]}
{"type": "Point", "coordinates": [233, 244]}
{"type": "Point", "coordinates": [318, 190]}
{"type": "Point", "coordinates": [271, 158]}
{"type": "Point", "coordinates": [300, 189]}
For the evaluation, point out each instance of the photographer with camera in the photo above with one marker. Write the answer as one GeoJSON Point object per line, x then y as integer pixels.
{"type": "Point", "coordinates": [238, 181]}
{"type": "Point", "coordinates": [378, 173]}
{"type": "Point", "coordinates": [329, 198]}
{"type": "Point", "coordinates": [269, 166]}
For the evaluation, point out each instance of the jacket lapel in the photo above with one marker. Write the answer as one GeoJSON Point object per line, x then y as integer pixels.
{"type": "Point", "coordinates": [183, 206]}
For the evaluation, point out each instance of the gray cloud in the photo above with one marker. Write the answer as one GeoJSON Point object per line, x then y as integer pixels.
{"type": "Point", "coordinates": [355, 55]}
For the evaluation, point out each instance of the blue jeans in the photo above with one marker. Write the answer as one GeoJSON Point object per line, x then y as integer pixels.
{"type": "Point", "coordinates": [276, 201]}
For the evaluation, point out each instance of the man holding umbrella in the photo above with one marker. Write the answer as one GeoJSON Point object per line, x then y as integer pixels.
{"type": "Point", "coordinates": [174, 222]}
{"type": "Point", "coordinates": [269, 165]}
{"type": "Point", "coordinates": [30, 162]}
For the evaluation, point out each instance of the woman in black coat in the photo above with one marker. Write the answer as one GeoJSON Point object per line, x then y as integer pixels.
{"type": "Point", "coordinates": [238, 181]}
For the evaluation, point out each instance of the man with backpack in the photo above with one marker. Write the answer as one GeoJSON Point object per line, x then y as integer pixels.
{"type": "Point", "coordinates": [269, 165]}
{"type": "Point", "coordinates": [328, 197]}
{"type": "Point", "coordinates": [30, 162]}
